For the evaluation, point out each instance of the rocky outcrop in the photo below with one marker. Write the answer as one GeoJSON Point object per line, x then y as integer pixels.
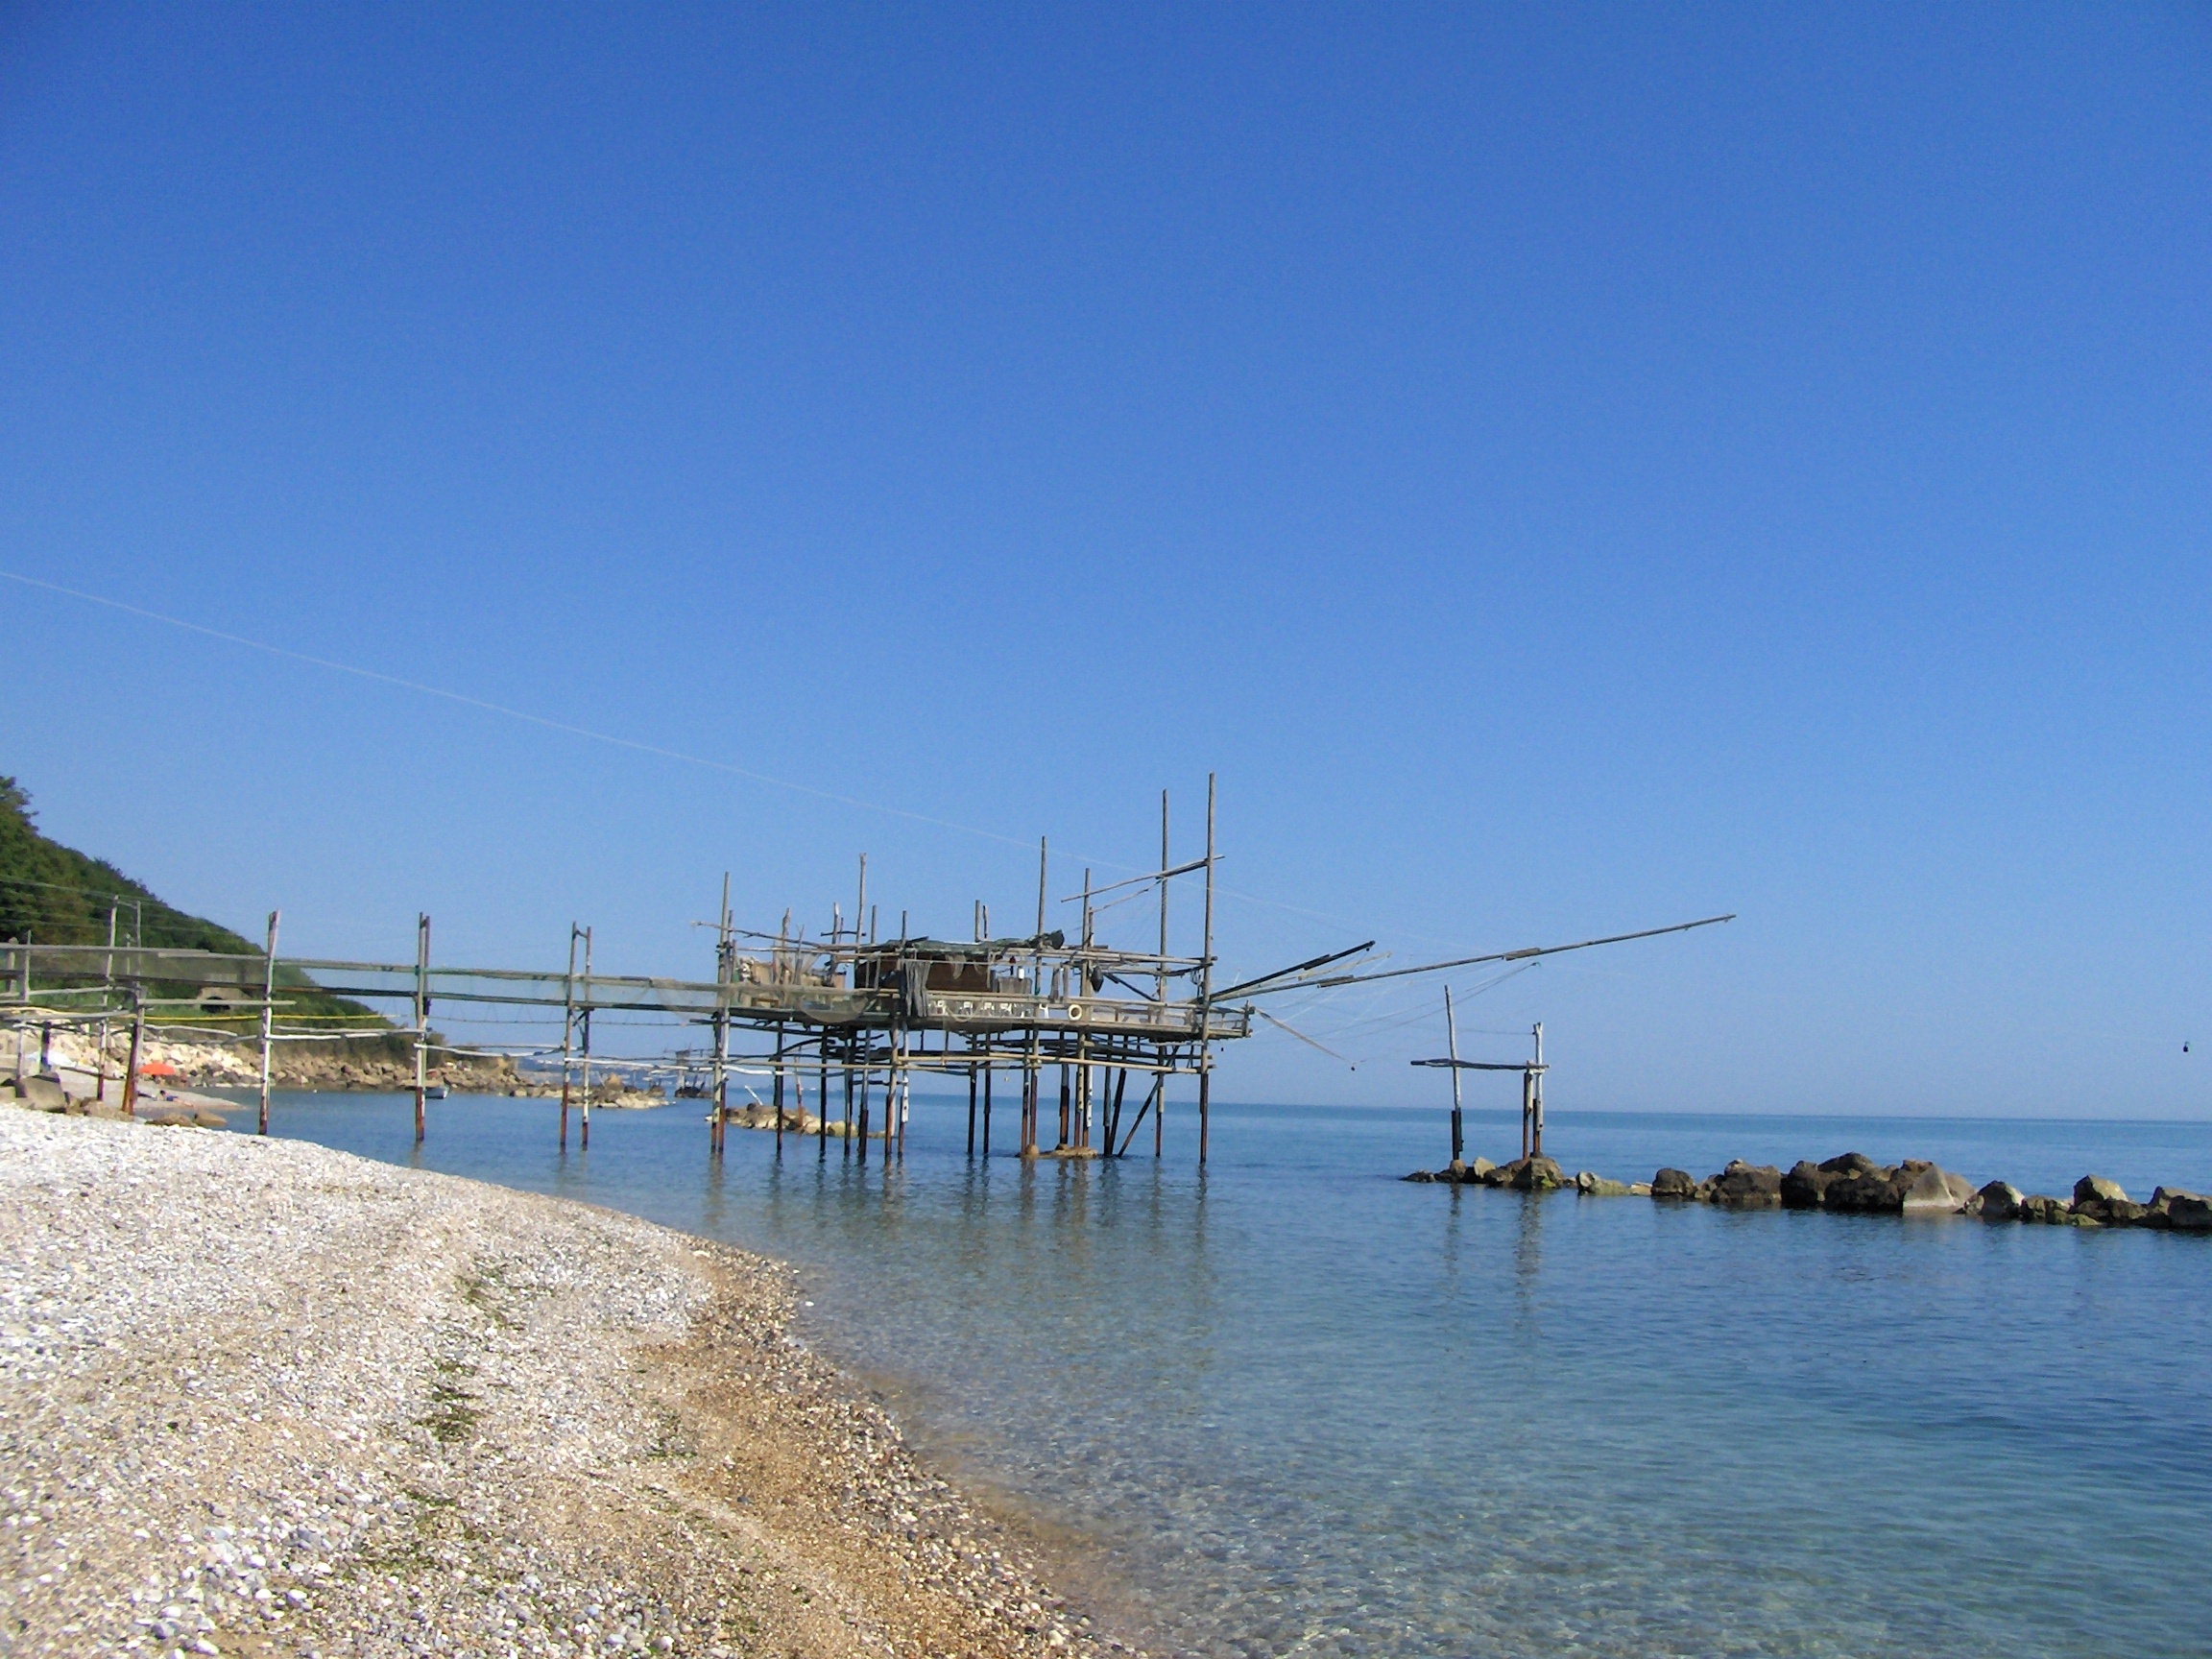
{"type": "Point", "coordinates": [1528, 1175]}
{"type": "Point", "coordinates": [1937, 1191]}
{"type": "Point", "coordinates": [1851, 1163]}
{"type": "Point", "coordinates": [2108, 1204]}
{"type": "Point", "coordinates": [1746, 1186]}
{"type": "Point", "coordinates": [1806, 1186]}
{"type": "Point", "coordinates": [1866, 1192]}
{"type": "Point", "coordinates": [1854, 1184]}
{"type": "Point", "coordinates": [2184, 1212]}
{"type": "Point", "coordinates": [1456, 1173]}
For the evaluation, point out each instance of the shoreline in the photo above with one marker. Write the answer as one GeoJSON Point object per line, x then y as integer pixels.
{"type": "Point", "coordinates": [274, 1399]}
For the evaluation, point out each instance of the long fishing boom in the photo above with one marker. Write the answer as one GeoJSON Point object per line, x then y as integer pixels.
{"type": "Point", "coordinates": [1520, 955]}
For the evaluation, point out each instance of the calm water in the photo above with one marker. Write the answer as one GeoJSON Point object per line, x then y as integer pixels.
{"type": "Point", "coordinates": [1297, 1405]}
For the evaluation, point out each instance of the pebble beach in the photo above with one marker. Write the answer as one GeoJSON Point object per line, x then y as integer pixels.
{"type": "Point", "coordinates": [266, 1398]}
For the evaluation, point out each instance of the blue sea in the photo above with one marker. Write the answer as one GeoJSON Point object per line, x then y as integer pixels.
{"type": "Point", "coordinates": [1294, 1405]}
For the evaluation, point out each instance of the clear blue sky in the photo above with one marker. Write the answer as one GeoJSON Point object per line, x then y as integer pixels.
{"type": "Point", "coordinates": [1565, 469]}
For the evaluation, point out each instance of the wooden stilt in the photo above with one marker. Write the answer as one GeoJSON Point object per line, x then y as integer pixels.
{"type": "Point", "coordinates": [779, 1094]}
{"type": "Point", "coordinates": [1206, 986]}
{"type": "Point", "coordinates": [137, 1041]}
{"type": "Point", "coordinates": [1452, 1041]}
{"type": "Point", "coordinates": [568, 1033]}
{"type": "Point", "coordinates": [268, 1016]}
{"type": "Point", "coordinates": [422, 1019]}
{"type": "Point", "coordinates": [584, 1128]}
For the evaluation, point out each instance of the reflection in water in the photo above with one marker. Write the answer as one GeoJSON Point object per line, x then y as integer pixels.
{"type": "Point", "coordinates": [1297, 1404]}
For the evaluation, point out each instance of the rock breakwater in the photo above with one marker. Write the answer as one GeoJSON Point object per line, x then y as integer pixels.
{"type": "Point", "coordinates": [1854, 1184]}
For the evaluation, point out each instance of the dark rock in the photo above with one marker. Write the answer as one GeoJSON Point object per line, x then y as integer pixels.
{"type": "Point", "coordinates": [2187, 1211]}
{"type": "Point", "coordinates": [42, 1093]}
{"type": "Point", "coordinates": [2000, 1201]}
{"type": "Point", "coordinates": [1877, 1191]}
{"type": "Point", "coordinates": [1850, 1163]}
{"type": "Point", "coordinates": [1419, 1175]}
{"type": "Point", "coordinates": [1675, 1184]}
{"type": "Point", "coordinates": [1804, 1186]}
{"type": "Point", "coordinates": [1746, 1186]}
{"type": "Point", "coordinates": [2044, 1208]}
{"type": "Point", "coordinates": [2104, 1202]}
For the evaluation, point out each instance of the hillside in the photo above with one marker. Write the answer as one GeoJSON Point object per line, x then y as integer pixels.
{"type": "Point", "coordinates": [54, 894]}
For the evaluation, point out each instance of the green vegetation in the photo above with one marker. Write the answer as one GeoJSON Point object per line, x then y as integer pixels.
{"type": "Point", "coordinates": [54, 894]}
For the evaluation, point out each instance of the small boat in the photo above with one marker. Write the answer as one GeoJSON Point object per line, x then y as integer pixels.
{"type": "Point", "coordinates": [436, 1091]}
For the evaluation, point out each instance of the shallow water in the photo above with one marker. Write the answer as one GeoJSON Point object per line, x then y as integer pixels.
{"type": "Point", "coordinates": [1298, 1406]}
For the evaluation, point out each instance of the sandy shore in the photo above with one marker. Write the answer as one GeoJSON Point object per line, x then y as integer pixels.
{"type": "Point", "coordinates": [269, 1398]}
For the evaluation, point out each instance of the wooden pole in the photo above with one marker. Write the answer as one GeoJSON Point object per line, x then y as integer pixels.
{"type": "Point", "coordinates": [1031, 1088]}
{"type": "Point", "coordinates": [107, 992]}
{"type": "Point", "coordinates": [568, 1033]}
{"type": "Point", "coordinates": [422, 1018]}
{"type": "Point", "coordinates": [822, 1103]}
{"type": "Point", "coordinates": [724, 951]}
{"type": "Point", "coordinates": [268, 1019]}
{"type": "Point", "coordinates": [861, 1152]}
{"type": "Point", "coordinates": [970, 1111]}
{"type": "Point", "coordinates": [1206, 985]}
{"type": "Point", "coordinates": [1452, 1048]}
{"type": "Point", "coordinates": [1083, 1082]}
{"type": "Point", "coordinates": [584, 1128]}
{"type": "Point", "coordinates": [1159, 986]}
{"type": "Point", "coordinates": [780, 1037]}
{"type": "Point", "coordinates": [1536, 1114]}
{"type": "Point", "coordinates": [986, 1108]}
{"type": "Point", "coordinates": [138, 1038]}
